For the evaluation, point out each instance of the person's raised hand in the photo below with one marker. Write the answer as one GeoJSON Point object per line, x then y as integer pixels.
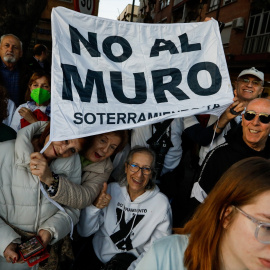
{"type": "Point", "coordinates": [103, 198]}
{"type": "Point", "coordinates": [39, 167]}
{"type": "Point", "coordinates": [236, 108]}
{"type": "Point", "coordinates": [207, 19]}
{"type": "Point", "coordinates": [27, 115]}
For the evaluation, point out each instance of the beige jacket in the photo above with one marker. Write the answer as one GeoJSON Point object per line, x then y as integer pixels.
{"type": "Point", "coordinates": [80, 196]}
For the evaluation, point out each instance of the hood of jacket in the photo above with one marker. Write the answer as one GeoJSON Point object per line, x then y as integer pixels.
{"type": "Point", "coordinates": [146, 196]}
{"type": "Point", "coordinates": [23, 143]}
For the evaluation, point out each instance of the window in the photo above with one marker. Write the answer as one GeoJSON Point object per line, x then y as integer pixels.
{"type": "Point", "coordinates": [213, 4]}
{"type": "Point", "coordinates": [164, 3]}
{"type": "Point", "coordinates": [258, 33]}
{"type": "Point", "coordinates": [228, 2]}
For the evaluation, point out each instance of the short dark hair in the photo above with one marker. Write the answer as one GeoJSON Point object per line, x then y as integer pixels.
{"type": "Point", "coordinates": [39, 48]}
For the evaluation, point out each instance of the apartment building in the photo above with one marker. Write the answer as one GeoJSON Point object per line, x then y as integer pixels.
{"type": "Point", "coordinates": [245, 37]}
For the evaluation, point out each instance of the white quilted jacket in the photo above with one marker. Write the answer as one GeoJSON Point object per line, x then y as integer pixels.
{"type": "Point", "coordinates": [22, 203]}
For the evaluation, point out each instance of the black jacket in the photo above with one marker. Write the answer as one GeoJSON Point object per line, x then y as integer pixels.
{"type": "Point", "coordinates": [223, 156]}
{"type": "Point", "coordinates": [34, 66]}
{"type": "Point", "coordinates": [218, 161]}
{"type": "Point", "coordinates": [24, 76]}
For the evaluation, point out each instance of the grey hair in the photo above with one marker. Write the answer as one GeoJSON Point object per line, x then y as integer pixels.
{"type": "Point", "coordinates": [8, 35]}
{"type": "Point", "coordinates": [140, 149]}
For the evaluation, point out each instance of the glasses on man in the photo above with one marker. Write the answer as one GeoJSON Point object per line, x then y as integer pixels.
{"type": "Point", "coordinates": [264, 117]}
{"type": "Point", "coordinates": [135, 168]}
{"type": "Point", "coordinates": [262, 232]}
{"type": "Point", "coordinates": [247, 81]}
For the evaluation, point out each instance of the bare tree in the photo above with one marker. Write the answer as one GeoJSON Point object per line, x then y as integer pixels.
{"type": "Point", "coordinates": [20, 17]}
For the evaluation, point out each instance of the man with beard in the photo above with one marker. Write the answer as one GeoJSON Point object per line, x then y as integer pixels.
{"type": "Point", "coordinates": [13, 73]}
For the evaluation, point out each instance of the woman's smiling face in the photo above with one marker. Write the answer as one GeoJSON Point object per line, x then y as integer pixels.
{"type": "Point", "coordinates": [62, 149]}
{"type": "Point", "coordinates": [137, 181]}
{"type": "Point", "coordinates": [103, 146]}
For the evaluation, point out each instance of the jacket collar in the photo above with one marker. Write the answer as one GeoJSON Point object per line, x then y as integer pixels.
{"type": "Point", "coordinates": [97, 167]}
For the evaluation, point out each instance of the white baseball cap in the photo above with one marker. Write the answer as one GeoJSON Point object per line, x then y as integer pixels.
{"type": "Point", "coordinates": [252, 71]}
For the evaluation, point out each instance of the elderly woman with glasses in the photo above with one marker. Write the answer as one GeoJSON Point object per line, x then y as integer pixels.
{"type": "Point", "coordinates": [127, 216]}
{"type": "Point", "coordinates": [230, 230]}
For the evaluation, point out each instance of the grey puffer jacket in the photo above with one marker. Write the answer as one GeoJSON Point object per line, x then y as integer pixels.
{"type": "Point", "coordinates": [22, 204]}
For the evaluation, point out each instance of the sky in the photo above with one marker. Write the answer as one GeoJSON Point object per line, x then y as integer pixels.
{"type": "Point", "coordinates": [111, 9]}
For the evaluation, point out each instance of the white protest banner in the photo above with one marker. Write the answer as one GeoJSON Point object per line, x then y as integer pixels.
{"type": "Point", "coordinates": [109, 75]}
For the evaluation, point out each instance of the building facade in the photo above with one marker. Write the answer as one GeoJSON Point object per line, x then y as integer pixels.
{"type": "Point", "coordinates": [126, 14]}
{"type": "Point", "coordinates": [245, 37]}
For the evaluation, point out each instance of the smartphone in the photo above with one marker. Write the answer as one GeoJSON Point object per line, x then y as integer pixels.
{"type": "Point", "coordinates": [33, 251]}
{"type": "Point", "coordinates": [30, 247]}
{"type": "Point", "coordinates": [38, 258]}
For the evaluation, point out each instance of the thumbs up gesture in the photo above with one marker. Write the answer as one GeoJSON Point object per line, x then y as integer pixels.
{"type": "Point", "coordinates": [103, 198]}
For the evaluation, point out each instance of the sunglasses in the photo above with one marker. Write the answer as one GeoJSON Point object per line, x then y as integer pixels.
{"type": "Point", "coordinates": [264, 117]}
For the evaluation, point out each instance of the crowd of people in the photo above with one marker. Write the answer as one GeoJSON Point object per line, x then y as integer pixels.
{"type": "Point", "coordinates": [122, 194]}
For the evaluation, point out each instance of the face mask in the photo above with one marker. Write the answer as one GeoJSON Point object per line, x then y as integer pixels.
{"type": "Point", "coordinates": [40, 95]}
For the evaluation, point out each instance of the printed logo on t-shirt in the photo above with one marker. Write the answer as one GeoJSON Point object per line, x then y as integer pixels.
{"type": "Point", "coordinates": [121, 238]}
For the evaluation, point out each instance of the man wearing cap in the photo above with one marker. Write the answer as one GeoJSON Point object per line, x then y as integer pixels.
{"type": "Point", "coordinates": [249, 85]}
{"type": "Point", "coordinates": [249, 139]}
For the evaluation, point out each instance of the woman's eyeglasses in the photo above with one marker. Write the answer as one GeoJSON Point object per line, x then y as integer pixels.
{"type": "Point", "coordinates": [247, 81]}
{"type": "Point", "coordinates": [264, 117]}
{"type": "Point", "coordinates": [135, 168]}
{"type": "Point", "coordinates": [262, 232]}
